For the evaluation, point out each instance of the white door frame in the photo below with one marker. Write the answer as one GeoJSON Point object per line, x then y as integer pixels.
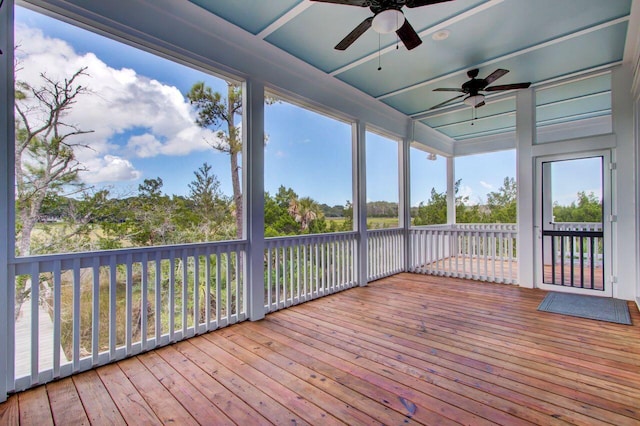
{"type": "Point", "coordinates": [606, 222]}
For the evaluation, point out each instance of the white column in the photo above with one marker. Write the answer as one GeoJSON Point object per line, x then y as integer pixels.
{"type": "Point", "coordinates": [525, 138]}
{"type": "Point", "coordinates": [451, 190]}
{"type": "Point", "coordinates": [360, 199]}
{"type": "Point", "coordinates": [253, 167]}
{"type": "Point", "coordinates": [637, 187]}
{"type": "Point", "coordinates": [7, 215]}
{"type": "Point", "coordinates": [404, 200]}
{"type": "Point", "coordinates": [625, 233]}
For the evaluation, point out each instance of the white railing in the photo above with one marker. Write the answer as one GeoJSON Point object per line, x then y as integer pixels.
{"type": "Point", "coordinates": [301, 268]}
{"type": "Point", "coordinates": [577, 226]}
{"type": "Point", "coordinates": [574, 247]}
{"type": "Point", "coordinates": [485, 252]}
{"type": "Point", "coordinates": [386, 252]}
{"type": "Point", "coordinates": [89, 309]}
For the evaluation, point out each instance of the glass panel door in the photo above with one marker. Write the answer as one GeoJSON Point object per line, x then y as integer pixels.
{"type": "Point", "coordinates": [571, 212]}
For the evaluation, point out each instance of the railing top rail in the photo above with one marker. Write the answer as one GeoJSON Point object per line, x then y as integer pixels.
{"type": "Point", "coordinates": [443, 226]}
{"type": "Point", "coordinates": [385, 230]}
{"type": "Point", "coordinates": [333, 236]}
{"type": "Point", "coordinates": [485, 226]}
{"type": "Point", "coordinates": [577, 226]}
{"type": "Point", "coordinates": [229, 245]}
{"type": "Point", "coordinates": [470, 227]}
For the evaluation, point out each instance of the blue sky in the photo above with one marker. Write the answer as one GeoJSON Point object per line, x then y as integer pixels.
{"type": "Point", "coordinates": [144, 128]}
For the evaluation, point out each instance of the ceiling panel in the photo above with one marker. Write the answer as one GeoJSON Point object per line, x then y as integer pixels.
{"type": "Point", "coordinates": [250, 15]}
{"type": "Point", "coordinates": [569, 90]}
{"type": "Point", "coordinates": [312, 35]}
{"type": "Point", "coordinates": [538, 41]}
{"type": "Point", "coordinates": [598, 103]}
{"type": "Point", "coordinates": [492, 108]}
{"type": "Point", "coordinates": [478, 127]}
{"type": "Point", "coordinates": [570, 56]}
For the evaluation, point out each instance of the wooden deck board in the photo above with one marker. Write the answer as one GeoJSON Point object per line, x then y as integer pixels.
{"type": "Point", "coordinates": [165, 407]}
{"type": "Point", "coordinates": [34, 407]}
{"type": "Point", "coordinates": [9, 411]}
{"type": "Point", "coordinates": [66, 406]}
{"type": "Point", "coordinates": [185, 392]}
{"type": "Point", "coordinates": [95, 399]}
{"type": "Point", "coordinates": [408, 349]}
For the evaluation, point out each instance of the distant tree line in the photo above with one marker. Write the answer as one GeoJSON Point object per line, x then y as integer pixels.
{"type": "Point", "coordinates": [588, 208]}
{"type": "Point", "coordinates": [499, 208]}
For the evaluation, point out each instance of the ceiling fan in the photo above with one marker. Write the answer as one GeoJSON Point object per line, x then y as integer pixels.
{"type": "Point", "coordinates": [387, 17]}
{"type": "Point", "coordinates": [472, 88]}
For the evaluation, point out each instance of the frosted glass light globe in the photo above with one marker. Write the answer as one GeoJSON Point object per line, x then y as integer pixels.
{"type": "Point", "coordinates": [387, 21]}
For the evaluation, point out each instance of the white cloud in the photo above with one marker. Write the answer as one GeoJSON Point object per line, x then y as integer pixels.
{"type": "Point", "coordinates": [486, 185]}
{"type": "Point", "coordinates": [109, 169]}
{"type": "Point", "coordinates": [144, 146]}
{"type": "Point", "coordinates": [120, 100]}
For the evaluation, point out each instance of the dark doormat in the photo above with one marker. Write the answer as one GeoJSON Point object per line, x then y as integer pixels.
{"type": "Point", "coordinates": [592, 307]}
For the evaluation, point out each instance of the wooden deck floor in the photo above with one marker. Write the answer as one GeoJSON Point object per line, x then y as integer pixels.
{"type": "Point", "coordinates": [409, 349]}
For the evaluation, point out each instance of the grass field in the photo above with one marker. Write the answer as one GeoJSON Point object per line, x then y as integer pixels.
{"type": "Point", "coordinates": [372, 223]}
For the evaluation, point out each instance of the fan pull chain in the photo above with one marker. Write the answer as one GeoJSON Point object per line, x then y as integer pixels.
{"type": "Point", "coordinates": [473, 115]}
{"type": "Point", "coordinates": [379, 64]}
{"type": "Point", "coordinates": [397, 37]}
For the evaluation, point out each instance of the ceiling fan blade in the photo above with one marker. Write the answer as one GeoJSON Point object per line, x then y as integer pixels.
{"type": "Point", "coordinates": [418, 3]}
{"type": "Point", "coordinates": [508, 87]}
{"type": "Point", "coordinates": [361, 3]}
{"type": "Point", "coordinates": [448, 89]}
{"type": "Point", "coordinates": [446, 102]}
{"type": "Point", "coordinates": [409, 36]}
{"type": "Point", "coordinates": [355, 34]}
{"type": "Point", "coordinates": [494, 76]}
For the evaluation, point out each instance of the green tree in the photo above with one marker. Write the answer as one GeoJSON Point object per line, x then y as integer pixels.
{"type": "Point", "coordinates": [208, 205]}
{"type": "Point", "coordinates": [277, 220]}
{"type": "Point", "coordinates": [45, 161]}
{"type": "Point", "coordinates": [434, 211]}
{"type": "Point", "coordinates": [153, 215]}
{"type": "Point", "coordinates": [588, 209]}
{"type": "Point", "coordinates": [304, 211]}
{"type": "Point", "coordinates": [503, 203]}
{"type": "Point", "coordinates": [219, 114]}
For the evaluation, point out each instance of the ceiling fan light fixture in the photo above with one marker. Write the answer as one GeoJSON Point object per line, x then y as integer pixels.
{"type": "Point", "coordinates": [474, 100]}
{"type": "Point", "coordinates": [387, 21]}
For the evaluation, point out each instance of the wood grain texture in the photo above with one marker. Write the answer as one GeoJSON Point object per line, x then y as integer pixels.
{"type": "Point", "coordinates": [408, 349]}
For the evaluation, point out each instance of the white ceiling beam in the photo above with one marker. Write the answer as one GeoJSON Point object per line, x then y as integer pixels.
{"type": "Point", "coordinates": [284, 19]}
{"type": "Point", "coordinates": [509, 56]}
{"type": "Point", "coordinates": [424, 33]}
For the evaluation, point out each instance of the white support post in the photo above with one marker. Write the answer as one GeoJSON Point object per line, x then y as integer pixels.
{"type": "Point", "coordinates": [359, 168]}
{"type": "Point", "coordinates": [525, 139]}
{"type": "Point", "coordinates": [624, 231]}
{"type": "Point", "coordinates": [253, 166]}
{"type": "Point", "coordinates": [404, 205]}
{"type": "Point", "coordinates": [636, 119]}
{"type": "Point", "coordinates": [7, 179]}
{"type": "Point", "coordinates": [451, 190]}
